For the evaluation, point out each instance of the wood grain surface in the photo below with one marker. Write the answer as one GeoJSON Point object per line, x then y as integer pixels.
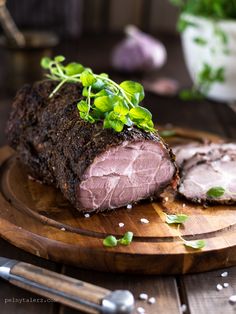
{"type": "Point", "coordinates": [61, 283]}
{"type": "Point", "coordinates": [38, 219]}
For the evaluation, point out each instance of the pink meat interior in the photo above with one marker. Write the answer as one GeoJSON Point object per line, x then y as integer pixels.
{"type": "Point", "coordinates": [125, 174]}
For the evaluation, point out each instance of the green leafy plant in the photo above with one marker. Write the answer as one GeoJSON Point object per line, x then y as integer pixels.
{"type": "Point", "coordinates": [111, 241]}
{"type": "Point", "coordinates": [215, 9]}
{"type": "Point", "coordinates": [205, 79]}
{"type": "Point", "coordinates": [117, 105]}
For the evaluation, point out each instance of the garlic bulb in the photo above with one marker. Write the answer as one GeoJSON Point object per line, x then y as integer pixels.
{"type": "Point", "coordinates": [138, 52]}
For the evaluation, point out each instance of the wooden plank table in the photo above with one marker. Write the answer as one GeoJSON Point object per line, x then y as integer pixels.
{"type": "Point", "coordinates": [197, 291]}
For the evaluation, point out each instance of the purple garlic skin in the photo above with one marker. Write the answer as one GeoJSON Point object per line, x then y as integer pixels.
{"type": "Point", "coordinates": [138, 52]}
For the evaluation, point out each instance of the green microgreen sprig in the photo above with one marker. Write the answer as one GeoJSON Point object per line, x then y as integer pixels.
{"type": "Point", "coordinates": [178, 219]}
{"type": "Point", "coordinates": [111, 241]}
{"type": "Point", "coordinates": [117, 105]}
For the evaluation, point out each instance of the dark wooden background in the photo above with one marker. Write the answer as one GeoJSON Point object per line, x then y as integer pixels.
{"type": "Point", "coordinates": [198, 291]}
{"type": "Point", "coordinates": [73, 17]}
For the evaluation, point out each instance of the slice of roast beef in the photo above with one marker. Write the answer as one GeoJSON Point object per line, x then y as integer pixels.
{"type": "Point", "coordinates": [186, 151]}
{"type": "Point", "coordinates": [204, 171]}
{"type": "Point", "coordinates": [95, 168]}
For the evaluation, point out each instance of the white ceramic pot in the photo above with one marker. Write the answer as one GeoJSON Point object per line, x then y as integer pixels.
{"type": "Point", "coordinates": [215, 52]}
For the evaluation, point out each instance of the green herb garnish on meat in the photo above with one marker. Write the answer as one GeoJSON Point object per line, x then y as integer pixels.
{"type": "Point", "coordinates": [215, 192]}
{"type": "Point", "coordinates": [117, 105]}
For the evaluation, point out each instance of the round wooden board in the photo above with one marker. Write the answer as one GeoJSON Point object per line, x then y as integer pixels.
{"type": "Point", "coordinates": [38, 219]}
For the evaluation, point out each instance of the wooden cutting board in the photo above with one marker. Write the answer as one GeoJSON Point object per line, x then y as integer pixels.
{"type": "Point", "coordinates": [38, 219]}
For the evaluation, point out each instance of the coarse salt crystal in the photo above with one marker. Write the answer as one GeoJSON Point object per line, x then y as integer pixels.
{"type": "Point", "coordinates": [166, 199]}
{"type": "Point", "coordinates": [140, 310]}
{"type": "Point", "coordinates": [63, 229]}
{"type": "Point", "coordinates": [121, 224]}
{"type": "Point", "coordinates": [219, 287]}
{"type": "Point", "coordinates": [143, 296]}
{"type": "Point", "coordinates": [183, 308]}
{"type": "Point", "coordinates": [152, 300]}
{"type": "Point", "coordinates": [226, 158]}
{"type": "Point", "coordinates": [225, 284]}
{"type": "Point", "coordinates": [144, 221]}
{"type": "Point", "coordinates": [232, 299]}
{"type": "Point", "coordinates": [184, 205]}
{"type": "Point", "coordinates": [87, 215]}
{"type": "Point", "coordinates": [129, 206]}
{"type": "Point", "coordinates": [224, 274]}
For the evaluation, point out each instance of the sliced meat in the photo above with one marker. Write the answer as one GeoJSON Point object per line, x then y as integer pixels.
{"type": "Point", "coordinates": [95, 168]}
{"type": "Point", "coordinates": [222, 152]}
{"type": "Point", "coordinates": [204, 171]}
{"type": "Point", "coordinates": [184, 152]}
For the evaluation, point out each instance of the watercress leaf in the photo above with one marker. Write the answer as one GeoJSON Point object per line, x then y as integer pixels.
{"type": "Point", "coordinates": [98, 85]}
{"type": "Point", "coordinates": [45, 63]}
{"type": "Point", "coordinates": [104, 92]}
{"type": "Point", "coordinates": [167, 133]}
{"type": "Point", "coordinates": [83, 115]}
{"type": "Point", "coordinates": [197, 244]}
{"type": "Point", "coordinates": [85, 92]}
{"type": "Point", "coordinates": [128, 121]}
{"type": "Point", "coordinates": [133, 89]}
{"type": "Point", "coordinates": [104, 103]}
{"type": "Point", "coordinates": [104, 75]}
{"type": "Point", "coordinates": [140, 113]}
{"type": "Point", "coordinates": [86, 117]}
{"type": "Point", "coordinates": [55, 72]}
{"type": "Point", "coordinates": [73, 68]}
{"type": "Point", "coordinates": [83, 106]}
{"type": "Point", "coordinates": [121, 107]}
{"type": "Point", "coordinates": [59, 59]}
{"type": "Point", "coordinates": [127, 238]}
{"type": "Point", "coordinates": [114, 122]}
{"type": "Point", "coordinates": [106, 124]}
{"type": "Point", "coordinates": [135, 99]}
{"type": "Point", "coordinates": [116, 125]}
{"type": "Point", "coordinates": [176, 219]}
{"type": "Point", "coordinates": [146, 125]}
{"type": "Point", "coordinates": [123, 119]}
{"type": "Point", "coordinates": [216, 191]}
{"type": "Point", "coordinates": [97, 114]}
{"type": "Point", "coordinates": [87, 78]}
{"type": "Point", "coordinates": [90, 119]}
{"type": "Point", "coordinates": [110, 241]}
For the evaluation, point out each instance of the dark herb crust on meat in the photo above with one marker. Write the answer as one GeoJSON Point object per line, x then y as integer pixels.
{"type": "Point", "coordinates": [56, 144]}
